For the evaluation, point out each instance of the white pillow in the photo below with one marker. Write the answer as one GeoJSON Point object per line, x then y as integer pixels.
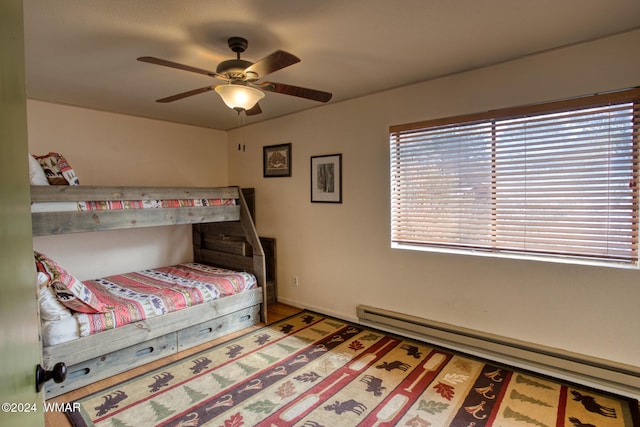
{"type": "Point", "coordinates": [36, 173]}
{"type": "Point", "coordinates": [43, 280]}
{"type": "Point", "coordinates": [60, 331]}
{"type": "Point", "coordinates": [50, 307]}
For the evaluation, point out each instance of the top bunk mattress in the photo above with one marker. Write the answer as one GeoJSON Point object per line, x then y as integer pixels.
{"type": "Point", "coordinates": [109, 205]}
{"type": "Point", "coordinates": [140, 295]}
{"type": "Point", "coordinates": [59, 209]}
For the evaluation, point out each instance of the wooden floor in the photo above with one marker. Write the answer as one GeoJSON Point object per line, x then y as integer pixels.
{"type": "Point", "coordinates": [276, 312]}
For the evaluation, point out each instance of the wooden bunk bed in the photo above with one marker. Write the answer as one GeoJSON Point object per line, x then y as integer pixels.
{"type": "Point", "coordinates": [223, 236]}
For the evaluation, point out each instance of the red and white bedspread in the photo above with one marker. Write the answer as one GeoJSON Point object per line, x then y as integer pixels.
{"type": "Point", "coordinates": [126, 204]}
{"type": "Point", "coordinates": [149, 204]}
{"type": "Point", "coordinates": [144, 294]}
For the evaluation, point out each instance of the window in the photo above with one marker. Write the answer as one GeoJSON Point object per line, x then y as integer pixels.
{"type": "Point", "coordinates": [554, 180]}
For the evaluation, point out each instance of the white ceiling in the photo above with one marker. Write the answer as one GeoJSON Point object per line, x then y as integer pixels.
{"type": "Point", "coordinates": [83, 53]}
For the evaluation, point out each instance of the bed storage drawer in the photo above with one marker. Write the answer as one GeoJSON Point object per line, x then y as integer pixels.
{"type": "Point", "coordinates": [92, 370]}
{"type": "Point", "coordinates": [206, 331]}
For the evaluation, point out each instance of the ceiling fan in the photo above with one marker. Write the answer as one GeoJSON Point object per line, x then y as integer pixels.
{"type": "Point", "coordinates": [243, 88]}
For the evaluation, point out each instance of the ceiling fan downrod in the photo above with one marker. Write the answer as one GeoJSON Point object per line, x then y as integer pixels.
{"type": "Point", "coordinates": [234, 68]}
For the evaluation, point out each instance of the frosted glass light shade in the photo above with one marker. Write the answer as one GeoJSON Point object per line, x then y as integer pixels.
{"type": "Point", "coordinates": [239, 97]}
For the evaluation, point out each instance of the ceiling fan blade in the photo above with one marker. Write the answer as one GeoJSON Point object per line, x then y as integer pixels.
{"type": "Point", "coordinates": [253, 111]}
{"type": "Point", "coordinates": [187, 94]}
{"type": "Point", "coordinates": [302, 92]}
{"type": "Point", "coordinates": [272, 62]}
{"type": "Point", "coordinates": [164, 62]}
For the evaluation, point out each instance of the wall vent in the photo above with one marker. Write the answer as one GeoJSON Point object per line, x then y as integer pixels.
{"type": "Point", "coordinates": [604, 374]}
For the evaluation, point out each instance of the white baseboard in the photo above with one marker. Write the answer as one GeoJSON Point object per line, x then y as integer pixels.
{"type": "Point", "coordinates": [321, 310]}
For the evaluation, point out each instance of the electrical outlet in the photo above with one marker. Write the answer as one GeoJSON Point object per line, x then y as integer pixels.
{"type": "Point", "coordinates": [294, 281]}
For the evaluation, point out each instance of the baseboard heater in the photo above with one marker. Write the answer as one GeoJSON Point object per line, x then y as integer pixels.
{"type": "Point", "coordinates": [604, 374]}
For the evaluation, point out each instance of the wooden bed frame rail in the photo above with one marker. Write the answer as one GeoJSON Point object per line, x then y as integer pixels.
{"type": "Point", "coordinates": [48, 223]}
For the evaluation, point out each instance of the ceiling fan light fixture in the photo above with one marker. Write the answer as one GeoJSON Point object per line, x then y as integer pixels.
{"type": "Point", "coordinates": [239, 97]}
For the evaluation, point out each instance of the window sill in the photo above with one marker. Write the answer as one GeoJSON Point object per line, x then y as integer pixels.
{"type": "Point", "coordinates": [516, 256]}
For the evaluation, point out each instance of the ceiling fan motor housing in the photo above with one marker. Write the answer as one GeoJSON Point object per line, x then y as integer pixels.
{"type": "Point", "coordinates": [233, 68]}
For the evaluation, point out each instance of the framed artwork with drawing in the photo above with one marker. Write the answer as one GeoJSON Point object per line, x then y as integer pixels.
{"type": "Point", "coordinates": [326, 179]}
{"type": "Point", "coordinates": [276, 160]}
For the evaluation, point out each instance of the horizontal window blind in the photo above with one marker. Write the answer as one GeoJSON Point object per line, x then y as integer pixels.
{"type": "Point", "coordinates": [558, 179]}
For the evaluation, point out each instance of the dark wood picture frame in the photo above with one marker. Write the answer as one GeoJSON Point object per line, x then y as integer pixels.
{"type": "Point", "coordinates": [276, 160]}
{"type": "Point", "coordinates": [326, 178]}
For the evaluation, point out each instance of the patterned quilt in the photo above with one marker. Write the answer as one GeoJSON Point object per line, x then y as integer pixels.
{"type": "Point", "coordinates": [140, 295]}
{"type": "Point", "coordinates": [149, 204]}
{"type": "Point", "coordinates": [126, 204]}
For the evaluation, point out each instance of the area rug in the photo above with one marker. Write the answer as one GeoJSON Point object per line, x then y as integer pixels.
{"type": "Point", "coordinates": [311, 370]}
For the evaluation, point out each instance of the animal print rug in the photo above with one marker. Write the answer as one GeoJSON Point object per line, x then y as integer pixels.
{"type": "Point", "coordinates": [311, 370]}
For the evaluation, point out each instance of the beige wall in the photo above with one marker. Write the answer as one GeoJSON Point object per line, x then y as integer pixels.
{"type": "Point", "coordinates": [342, 253]}
{"type": "Point", "coordinates": [113, 149]}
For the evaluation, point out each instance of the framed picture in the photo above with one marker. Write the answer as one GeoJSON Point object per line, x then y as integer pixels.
{"type": "Point", "coordinates": [276, 160]}
{"type": "Point", "coordinates": [326, 179]}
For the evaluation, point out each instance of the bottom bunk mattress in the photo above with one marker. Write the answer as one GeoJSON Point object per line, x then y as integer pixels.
{"type": "Point", "coordinates": [121, 299]}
